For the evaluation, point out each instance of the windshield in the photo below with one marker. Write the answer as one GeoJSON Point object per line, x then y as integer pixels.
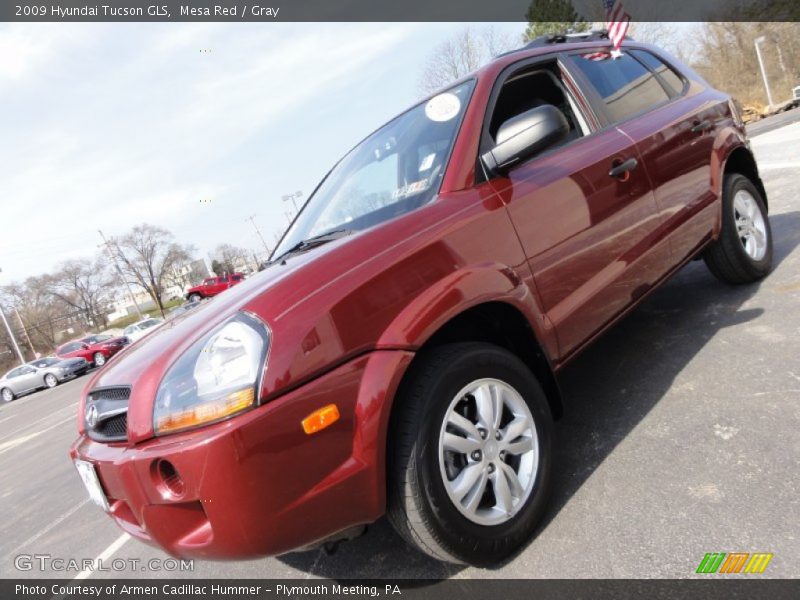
{"type": "Point", "coordinates": [394, 171]}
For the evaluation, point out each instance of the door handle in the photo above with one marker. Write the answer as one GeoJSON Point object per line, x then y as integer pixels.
{"type": "Point", "coordinates": [702, 126]}
{"type": "Point", "coordinates": [623, 170]}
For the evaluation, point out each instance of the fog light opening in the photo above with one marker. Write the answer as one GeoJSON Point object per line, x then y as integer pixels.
{"type": "Point", "coordinates": [169, 478]}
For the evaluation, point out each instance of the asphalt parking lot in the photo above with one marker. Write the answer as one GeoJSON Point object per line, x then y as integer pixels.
{"type": "Point", "coordinates": [680, 438]}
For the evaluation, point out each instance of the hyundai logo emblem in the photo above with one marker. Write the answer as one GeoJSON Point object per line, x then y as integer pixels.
{"type": "Point", "coordinates": [91, 416]}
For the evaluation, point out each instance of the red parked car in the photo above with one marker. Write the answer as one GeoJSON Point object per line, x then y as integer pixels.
{"type": "Point", "coordinates": [212, 286]}
{"type": "Point", "coordinates": [96, 349]}
{"type": "Point", "coordinates": [401, 352]}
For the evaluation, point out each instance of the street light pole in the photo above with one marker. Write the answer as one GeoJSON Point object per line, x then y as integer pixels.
{"type": "Point", "coordinates": [293, 198]}
{"type": "Point", "coordinates": [758, 42]}
{"type": "Point", "coordinates": [25, 331]}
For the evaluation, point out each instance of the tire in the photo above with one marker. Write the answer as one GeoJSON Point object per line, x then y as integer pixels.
{"type": "Point", "coordinates": [50, 380]}
{"type": "Point", "coordinates": [423, 474]}
{"type": "Point", "coordinates": [195, 298]}
{"type": "Point", "coordinates": [99, 359]}
{"type": "Point", "coordinates": [7, 395]}
{"type": "Point", "coordinates": [743, 251]}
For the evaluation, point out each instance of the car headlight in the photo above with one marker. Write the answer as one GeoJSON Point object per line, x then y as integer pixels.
{"type": "Point", "coordinates": [216, 378]}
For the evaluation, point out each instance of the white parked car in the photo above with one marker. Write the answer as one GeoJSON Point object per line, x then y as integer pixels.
{"type": "Point", "coordinates": [138, 330]}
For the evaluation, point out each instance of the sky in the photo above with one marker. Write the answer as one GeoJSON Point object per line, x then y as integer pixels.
{"type": "Point", "coordinates": [192, 127]}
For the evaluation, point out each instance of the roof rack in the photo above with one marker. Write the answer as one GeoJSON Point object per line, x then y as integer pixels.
{"type": "Point", "coordinates": [564, 38]}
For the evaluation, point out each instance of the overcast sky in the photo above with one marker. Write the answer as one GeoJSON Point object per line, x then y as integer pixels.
{"type": "Point", "coordinates": [193, 127]}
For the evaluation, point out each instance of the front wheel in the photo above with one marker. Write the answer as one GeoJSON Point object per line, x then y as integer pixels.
{"type": "Point", "coordinates": [50, 380]}
{"type": "Point", "coordinates": [7, 394]}
{"type": "Point", "coordinates": [195, 298]}
{"type": "Point", "coordinates": [470, 455]}
{"type": "Point", "coordinates": [743, 251]}
{"type": "Point", "coordinates": [99, 359]}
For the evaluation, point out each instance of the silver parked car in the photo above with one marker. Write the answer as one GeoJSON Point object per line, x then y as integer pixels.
{"type": "Point", "coordinates": [45, 372]}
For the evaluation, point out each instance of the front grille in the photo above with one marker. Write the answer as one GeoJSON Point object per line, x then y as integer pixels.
{"type": "Point", "coordinates": [108, 408]}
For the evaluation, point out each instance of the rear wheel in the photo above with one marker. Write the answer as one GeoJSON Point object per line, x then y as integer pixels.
{"type": "Point", "coordinates": [99, 359]}
{"type": "Point", "coordinates": [469, 460]}
{"type": "Point", "coordinates": [50, 380]}
{"type": "Point", "coordinates": [743, 252]}
{"type": "Point", "coordinates": [7, 395]}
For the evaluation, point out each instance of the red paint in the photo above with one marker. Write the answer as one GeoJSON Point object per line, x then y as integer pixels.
{"type": "Point", "coordinates": [567, 246]}
{"type": "Point", "coordinates": [212, 286]}
{"type": "Point", "coordinates": [107, 348]}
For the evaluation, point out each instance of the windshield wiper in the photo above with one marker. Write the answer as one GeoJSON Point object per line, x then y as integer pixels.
{"type": "Point", "coordinates": [313, 242]}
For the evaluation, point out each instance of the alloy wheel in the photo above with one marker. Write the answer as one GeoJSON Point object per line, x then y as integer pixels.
{"type": "Point", "coordinates": [488, 452]}
{"type": "Point", "coordinates": [750, 225]}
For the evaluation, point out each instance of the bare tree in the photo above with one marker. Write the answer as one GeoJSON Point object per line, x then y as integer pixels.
{"type": "Point", "coordinates": [463, 53]}
{"type": "Point", "coordinates": [41, 313]}
{"type": "Point", "coordinates": [82, 284]}
{"type": "Point", "coordinates": [149, 258]}
{"type": "Point", "coordinates": [726, 56]}
{"type": "Point", "coordinates": [229, 258]}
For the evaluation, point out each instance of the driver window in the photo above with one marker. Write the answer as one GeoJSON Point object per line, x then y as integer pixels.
{"type": "Point", "coordinates": [533, 87]}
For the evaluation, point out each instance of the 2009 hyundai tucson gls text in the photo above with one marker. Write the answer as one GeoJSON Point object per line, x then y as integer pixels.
{"type": "Point", "coordinates": [400, 353]}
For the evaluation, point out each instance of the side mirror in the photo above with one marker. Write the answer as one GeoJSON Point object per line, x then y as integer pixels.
{"type": "Point", "coordinates": [523, 136]}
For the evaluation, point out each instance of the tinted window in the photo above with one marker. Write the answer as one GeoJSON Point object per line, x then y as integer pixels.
{"type": "Point", "coordinates": [149, 323]}
{"type": "Point", "coordinates": [94, 339]}
{"type": "Point", "coordinates": [668, 76]}
{"type": "Point", "coordinates": [71, 347]}
{"type": "Point", "coordinates": [211, 281]}
{"type": "Point", "coordinates": [237, 277]}
{"type": "Point", "coordinates": [14, 373]}
{"type": "Point", "coordinates": [46, 362]}
{"type": "Point", "coordinates": [624, 84]}
{"type": "Point", "coordinates": [130, 329]}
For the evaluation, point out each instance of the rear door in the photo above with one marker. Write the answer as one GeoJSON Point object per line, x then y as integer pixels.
{"type": "Point", "coordinates": [587, 233]}
{"type": "Point", "coordinates": [676, 141]}
{"type": "Point", "coordinates": [27, 379]}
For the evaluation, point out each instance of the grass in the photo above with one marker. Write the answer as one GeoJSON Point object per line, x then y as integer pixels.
{"type": "Point", "coordinates": [153, 312]}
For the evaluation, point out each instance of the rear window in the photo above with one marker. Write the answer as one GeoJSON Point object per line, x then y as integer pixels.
{"type": "Point", "coordinates": [669, 77]}
{"type": "Point", "coordinates": [625, 86]}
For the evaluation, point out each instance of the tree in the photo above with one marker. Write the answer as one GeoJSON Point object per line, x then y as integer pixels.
{"type": "Point", "coordinates": [82, 284]}
{"type": "Point", "coordinates": [149, 258]}
{"type": "Point", "coordinates": [43, 316]}
{"type": "Point", "coordinates": [228, 258]}
{"type": "Point", "coordinates": [460, 55]}
{"type": "Point", "coordinates": [726, 56]}
{"type": "Point", "coordinates": [548, 17]}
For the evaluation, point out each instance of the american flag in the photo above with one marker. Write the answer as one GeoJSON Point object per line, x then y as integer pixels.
{"type": "Point", "coordinates": [617, 22]}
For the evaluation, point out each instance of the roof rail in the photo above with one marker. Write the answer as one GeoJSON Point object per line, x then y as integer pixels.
{"type": "Point", "coordinates": [564, 38]}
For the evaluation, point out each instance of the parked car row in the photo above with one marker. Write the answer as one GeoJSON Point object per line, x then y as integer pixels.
{"type": "Point", "coordinates": [41, 373]}
{"type": "Point", "coordinates": [73, 359]}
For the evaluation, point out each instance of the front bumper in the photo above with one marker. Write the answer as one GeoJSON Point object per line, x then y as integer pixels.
{"type": "Point", "coordinates": [256, 484]}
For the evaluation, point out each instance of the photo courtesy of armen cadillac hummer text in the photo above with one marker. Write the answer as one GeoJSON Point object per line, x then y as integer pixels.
{"type": "Point", "coordinates": [401, 350]}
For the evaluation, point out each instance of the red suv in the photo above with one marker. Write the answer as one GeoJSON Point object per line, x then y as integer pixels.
{"type": "Point", "coordinates": [212, 286]}
{"type": "Point", "coordinates": [97, 349]}
{"type": "Point", "coordinates": [401, 352]}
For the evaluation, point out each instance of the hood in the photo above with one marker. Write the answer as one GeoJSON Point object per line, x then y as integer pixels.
{"type": "Point", "coordinates": [143, 365]}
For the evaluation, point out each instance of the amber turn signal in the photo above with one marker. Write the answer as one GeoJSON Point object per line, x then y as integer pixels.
{"type": "Point", "coordinates": [320, 419]}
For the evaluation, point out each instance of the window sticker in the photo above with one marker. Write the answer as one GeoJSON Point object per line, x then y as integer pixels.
{"type": "Point", "coordinates": [443, 107]}
{"type": "Point", "coordinates": [427, 162]}
{"type": "Point", "coordinates": [411, 189]}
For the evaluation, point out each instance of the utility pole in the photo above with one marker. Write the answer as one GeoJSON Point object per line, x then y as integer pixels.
{"type": "Point", "coordinates": [11, 334]}
{"type": "Point", "coordinates": [113, 258]}
{"type": "Point", "coordinates": [758, 42]}
{"type": "Point", "coordinates": [252, 219]}
{"type": "Point", "coordinates": [25, 331]}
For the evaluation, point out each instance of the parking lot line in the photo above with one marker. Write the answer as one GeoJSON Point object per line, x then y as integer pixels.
{"type": "Point", "coordinates": [104, 555]}
{"type": "Point", "coordinates": [52, 525]}
{"type": "Point", "coordinates": [70, 408]}
{"type": "Point", "coordinates": [6, 446]}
